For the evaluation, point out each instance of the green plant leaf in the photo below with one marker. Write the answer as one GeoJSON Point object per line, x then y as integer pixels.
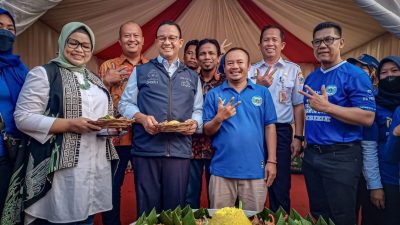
{"type": "Point", "coordinates": [306, 222]}
{"type": "Point", "coordinates": [152, 218]}
{"type": "Point", "coordinates": [175, 218]}
{"type": "Point", "coordinates": [321, 221]}
{"type": "Point", "coordinates": [330, 222]}
{"type": "Point", "coordinates": [166, 218]}
{"type": "Point", "coordinates": [178, 211]}
{"type": "Point", "coordinates": [186, 210]}
{"type": "Point", "coordinates": [264, 215]}
{"type": "Point", "coordinates": [189, 219]}
{"type": "Point", "coordinates": [295, 215]}
{"type": "Point", "coordinates": [280, 212]}
{"type": "Point", "coordinates": [281, 220]}
{"type": "Point", "coordinates": [200, 213]}
{"type": "Point", "coordinates": [141, 219]}
{"type": "Point", "coordinates": [310, 219]}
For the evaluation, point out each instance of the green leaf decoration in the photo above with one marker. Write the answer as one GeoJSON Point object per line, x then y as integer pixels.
{"type": "Point", "coordinates": [264, 215]}
{"type": "Point", "coordinates": [281, 220]}
{"type": "Point", "coordinates": [280, 212]}
{"type": "Point", "coordinates": [152, 218]}
{"type": "Point", "coordinates": [175, 218]}
{"type": "Point", "coordinates": [330, 222]}
{"type": "Point", "coordinates": [321, 221]}
{"type": "Point", "coordinates": [141, 219]}
{"type": "Point", "coordinates": [189, 219]}
{"type": "Point", "coordinates": [186, 210]}
{"type": "Point", "coordinates": [310, 219]}
{"type": "Point", "coordinates": [200, 213]}
{"type": "Point", "coordinates": [295, 215]}
{"type": "Point", "coordinates": [306, 222]}
{"type": "Point", "coordinates": [166, 217]}
{"type": "Point", "coordinates": [178, 211]}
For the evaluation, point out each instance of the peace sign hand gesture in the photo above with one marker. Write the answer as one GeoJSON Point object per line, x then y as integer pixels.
{"type": "Point", "coordinates": [317, 102]}
{"type": "Point", "coordinates": [227, 111]}
{"type": "Point", "coordinates": [267, 78]}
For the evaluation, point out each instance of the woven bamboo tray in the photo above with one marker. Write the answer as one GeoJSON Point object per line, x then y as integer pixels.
{"type": "Point", "coordinates": [113, 123]}
{"type": "Point", "coordinates": [179, 127]}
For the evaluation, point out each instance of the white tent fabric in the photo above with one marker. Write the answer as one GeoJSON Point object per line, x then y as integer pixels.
{"type": "Point", "coordinates": [220, 19]}
{"type": "Point", "coordinates": [26, 12]}
{"type": "Point", "coordinates": [386, 12]}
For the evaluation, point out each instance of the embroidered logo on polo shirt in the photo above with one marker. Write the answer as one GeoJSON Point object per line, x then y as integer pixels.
{"type": "Point", "coordinates": [256, 100]}
{"type": "Point", "coordinates": [331, 90]}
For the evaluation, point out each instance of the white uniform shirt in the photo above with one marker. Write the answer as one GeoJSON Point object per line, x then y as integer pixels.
{"type": "Point", "coordinates": [287, 81]}
{"type": "Point", "coordinates": [76, 192]}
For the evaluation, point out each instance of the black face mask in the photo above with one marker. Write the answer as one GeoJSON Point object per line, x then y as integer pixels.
{"type": "Point", "coordinates": [6, 40]}
{"type": "Point", "coordinates": [390, 84]}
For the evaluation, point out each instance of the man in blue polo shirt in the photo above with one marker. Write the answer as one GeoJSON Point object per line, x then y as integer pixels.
{"type": "Point", "coordinates": [240, 116]}
{"type": "Point", "coordinates": [338, 101]}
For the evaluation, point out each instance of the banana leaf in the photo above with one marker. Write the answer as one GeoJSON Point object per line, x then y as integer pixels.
{"type": "Point", "coordinates": [141, 219]}
{"type": "Point", "coordinates": [175, 218]}
{"type": "Point", "coordinates": [280, 212]}
{"type": "Point", "coordinates": [152, 218]}
{"type": "Point", "coordinates": [295, 215]}
{"type": "Point", "coordinates": [321, 221]}
{"type": "Point", "coordinates": [178, 211]}
{"type": "Point", "coordinates": [310, 219]}
{"type": "Point", "coordinates": [330, 222]}
{"type": "Point", "coordinates": [166, 217]}
{"type": "Point", "coordinates": [306, 222]}
{"type": "Point", "coordinates": [189, 219]}
{"type": "Point", "coordinates": [264, 215]}
{"type": "Point", "coordinates": [201, 213]}
{"type": "Point", "coordinates": [281, 220]}
{"type": "Point", "coordinates": [186, 210]}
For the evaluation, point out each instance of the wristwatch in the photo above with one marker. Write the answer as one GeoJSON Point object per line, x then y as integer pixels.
{"type": "Point", "coordinates": [301, 138]}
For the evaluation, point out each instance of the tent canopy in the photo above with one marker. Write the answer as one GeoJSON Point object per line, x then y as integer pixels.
{"type": "Point", "coordinates": [238, 21]}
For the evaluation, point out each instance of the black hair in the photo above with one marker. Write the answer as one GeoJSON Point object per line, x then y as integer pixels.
{"type": "Point", "coordinates": [325, 25]}
{"type": "Point", "coordinates": [172, 23]}
{"type": "Point", "coordinates": [271, 26]}
{"type": "Point", "coordinates": [194, 42]}
{"type": "Point", "coordinates": [237, 49]}
{"type": "Point", "coordinates": [211, 41]}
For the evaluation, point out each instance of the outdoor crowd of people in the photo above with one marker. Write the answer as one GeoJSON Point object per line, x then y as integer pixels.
{"type": "Point", "coordinates": [248, 122]}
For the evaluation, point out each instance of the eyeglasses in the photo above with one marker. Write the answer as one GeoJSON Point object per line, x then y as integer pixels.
{"type": "Point", "coordinates": [163, 39]}
{"type": "Point", "coordinates": [327, 41]}
{"type": "Point", "coordinates": [74, 44]}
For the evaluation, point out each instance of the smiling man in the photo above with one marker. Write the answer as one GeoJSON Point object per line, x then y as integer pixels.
{"type": "Point", "coordinates": [338, 101]}
{"type": "Point", "coordinates": [283, 79]}
{"type": "Point", "coordinates": [162, 89]}
{"type": "Point", "coordinates": [115, 74]}
{"type": "Point", "coordinates": [240, 116]}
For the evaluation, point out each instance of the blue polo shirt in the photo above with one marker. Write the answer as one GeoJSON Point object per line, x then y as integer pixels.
{"type": "Point", "coordinates": [382, 132]}
{"type": "Point", "coordinates": [347, 86]}
{"type": "Point", "coordinates": [239, 143]}
{"type": "Point", "coordinates": [392, 152]}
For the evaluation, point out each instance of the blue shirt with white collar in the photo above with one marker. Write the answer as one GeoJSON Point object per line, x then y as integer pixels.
{"type": "Point", "coordinates": [239, 142]}
{"type": "Point", "coordinates": [347, 86]}
{"type": "Point", "coordinates": [289, 79]}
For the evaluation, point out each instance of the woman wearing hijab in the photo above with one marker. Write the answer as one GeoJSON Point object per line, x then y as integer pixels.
{"type": "Point", "coordinates": [384, 175]}
{"type": "Point", "coordinates": [12, 77]}
{"type": "Point", "coordinates": [68, 168]}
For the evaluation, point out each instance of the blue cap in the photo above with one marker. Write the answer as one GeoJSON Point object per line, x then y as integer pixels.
{"type": "Point", "coordinates": [366, 60]}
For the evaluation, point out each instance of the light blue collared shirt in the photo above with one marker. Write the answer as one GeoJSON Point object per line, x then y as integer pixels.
{"type": "Point", "coordinates": [128, 107]}
{"type": "Point", "coordinates": [289, 79]}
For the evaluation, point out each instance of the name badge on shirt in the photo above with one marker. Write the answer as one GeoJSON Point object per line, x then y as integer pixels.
{"type": "Point", "coordinates": [282, 92]}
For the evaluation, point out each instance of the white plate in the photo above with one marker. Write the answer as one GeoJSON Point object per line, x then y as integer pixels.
{"type": "Point", "coordinates": [248, 213]}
